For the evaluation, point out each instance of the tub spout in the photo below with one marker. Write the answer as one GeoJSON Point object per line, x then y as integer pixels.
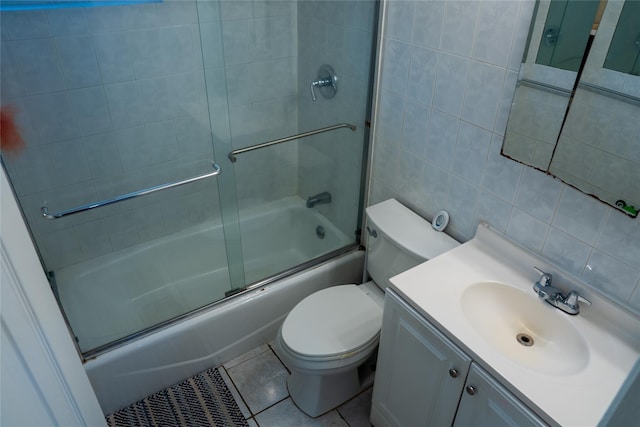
{"type": "Point", "coordinates": [319, 199]}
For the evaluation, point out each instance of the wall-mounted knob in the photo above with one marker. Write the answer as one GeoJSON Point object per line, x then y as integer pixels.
{"type": "Point", "coordinates": [327, 83]}
{"type": "Point", "coordinates": [453, 373]}
{"type": "Point", "coordinates": [551, 36]}
{"type": "Point", "coordinates": [471, 390]}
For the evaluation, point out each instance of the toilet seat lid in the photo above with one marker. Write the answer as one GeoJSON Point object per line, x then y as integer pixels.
{"type": "Point", "coordinates": [331, 322]}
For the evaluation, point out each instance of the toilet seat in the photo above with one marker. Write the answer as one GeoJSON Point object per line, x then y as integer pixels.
{"type": "Point", "coordinates": [333, 323]}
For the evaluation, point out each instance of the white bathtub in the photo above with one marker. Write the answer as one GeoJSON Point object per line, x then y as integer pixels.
{"type": "Point", "coordinates": [121, 293]}
{"type": "Point", "coordinates": [272, 240]}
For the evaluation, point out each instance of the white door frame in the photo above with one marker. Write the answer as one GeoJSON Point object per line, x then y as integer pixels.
{"type": "Point", "coordinates": [42, 380]}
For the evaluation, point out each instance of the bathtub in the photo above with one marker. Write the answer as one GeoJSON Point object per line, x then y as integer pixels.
{"type": "Point", "coordinates": [133, 289]}
{"type": "Point", "coordinates": [119, 294]}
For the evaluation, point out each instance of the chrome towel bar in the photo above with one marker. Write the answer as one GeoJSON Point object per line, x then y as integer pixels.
{"type": "Point", "coordinates": [545, 87]}
{"type": "Point", "coordinates": [232, 155]}
{"type": "Point", "coordinates": [46, 215]}
{"type": "Point", "coordinates": [620, 96]}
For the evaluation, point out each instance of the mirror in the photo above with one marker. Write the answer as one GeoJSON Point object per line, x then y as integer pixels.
{"type": "Point", "coordinates": [581, 124]}
{"type": "Point", "coordinates": [566, 31]}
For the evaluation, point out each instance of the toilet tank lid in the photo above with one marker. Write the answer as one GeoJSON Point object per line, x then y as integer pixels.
{"type": "Point", "coordinates": [409, 230]}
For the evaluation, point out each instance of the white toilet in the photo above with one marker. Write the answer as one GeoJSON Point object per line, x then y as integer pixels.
{"type": "Point", "coordinates": [329, 340]}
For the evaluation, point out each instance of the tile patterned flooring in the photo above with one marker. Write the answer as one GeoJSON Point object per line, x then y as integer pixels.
{"type": "Point", "coordinates": [257, 380]}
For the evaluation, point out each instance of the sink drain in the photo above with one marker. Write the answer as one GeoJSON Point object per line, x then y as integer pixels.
{"type": "Point", "coordinates": [525, 340]}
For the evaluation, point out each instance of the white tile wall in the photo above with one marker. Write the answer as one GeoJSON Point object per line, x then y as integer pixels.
{"type": "Point", "coordinates": [472, 79]}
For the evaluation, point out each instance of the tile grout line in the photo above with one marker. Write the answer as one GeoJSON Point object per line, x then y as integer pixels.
{"type": "Point", "coordinates": [272, 405]}
{"type": "Point", "coordinates": [267, 348]}
{"type": "Point", "coordinates": [246, 357]}
{"type": "Point", "coordinates": [288, 396]}
{"type": "Point", "coordinates": [271, 347]}
{"type": "Point", "coordinates": [247, 412]}
{"type": "Point", "coordinates": [244, 407]}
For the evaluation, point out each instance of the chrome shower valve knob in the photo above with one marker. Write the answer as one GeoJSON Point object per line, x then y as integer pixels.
{"type": "Point", "coordinates": [327, 83]}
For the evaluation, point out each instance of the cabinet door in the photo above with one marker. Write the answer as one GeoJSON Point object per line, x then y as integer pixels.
{"type": "Point", "coordinates": [420, 373]}
{"type": "Point", "coordinates": [487, 403]}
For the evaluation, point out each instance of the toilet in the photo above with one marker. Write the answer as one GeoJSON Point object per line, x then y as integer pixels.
{"type": "Point", "coordinates": [329, 340]}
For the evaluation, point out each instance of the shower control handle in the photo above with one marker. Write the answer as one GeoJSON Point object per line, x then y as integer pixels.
{"type": "Point", "coordinates": [319, 83]}
{"type": "Point", "coordinates": [326, 82]}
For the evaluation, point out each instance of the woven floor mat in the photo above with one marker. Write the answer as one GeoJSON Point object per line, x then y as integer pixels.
{"type": "Point", "coordinates": [202, 400]}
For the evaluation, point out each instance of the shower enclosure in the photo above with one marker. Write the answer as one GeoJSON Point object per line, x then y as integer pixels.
{"type": "Point", "coordinates": [171, 153]}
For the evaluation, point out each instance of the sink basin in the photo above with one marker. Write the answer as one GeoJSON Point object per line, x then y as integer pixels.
{"type": "Point", "coordinates": [526, 330]}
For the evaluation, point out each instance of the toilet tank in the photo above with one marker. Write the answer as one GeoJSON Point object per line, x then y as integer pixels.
{"type": "Point", "coordinates": [399, 239]}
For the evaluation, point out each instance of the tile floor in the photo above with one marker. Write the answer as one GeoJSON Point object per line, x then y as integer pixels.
{"type": "Point", "coordinates": [257, 380]}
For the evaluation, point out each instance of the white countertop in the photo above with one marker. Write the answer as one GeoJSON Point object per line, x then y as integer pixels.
{"type": "Point", "coordinates": [612, 335]}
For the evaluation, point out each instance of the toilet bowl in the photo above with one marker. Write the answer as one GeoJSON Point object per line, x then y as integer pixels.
{"type": "Point", "coordinates": [329, 340]}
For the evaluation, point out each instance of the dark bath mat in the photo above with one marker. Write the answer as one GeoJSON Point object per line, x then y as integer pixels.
{"type": "Point", "coordinates": [202, 400]}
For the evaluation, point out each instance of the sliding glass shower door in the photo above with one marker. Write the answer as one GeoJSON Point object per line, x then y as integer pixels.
{"type": "Point", "coordinates": [127, 115]}
{"type": "Point", "coordinates": [116, 174]}
{"type": "Point", "coordinates": [298, 82]}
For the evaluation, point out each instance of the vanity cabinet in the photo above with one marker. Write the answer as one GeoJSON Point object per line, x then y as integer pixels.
{"type": "Point", "coordinates": [485, 402]}
{"type": "Point", "coordinates": [424, 379]}
{"type": "Point", "coordinates": [420, 374]}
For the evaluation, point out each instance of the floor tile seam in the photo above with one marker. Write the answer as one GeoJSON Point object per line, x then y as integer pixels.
{"type": "Point", "coordinates": [271, 346]}
{"type": "Point", "coordinates": [273, 404]}
{"type": "Point", "coordinates": [253, 356]}
{"type": "Point", "coordinates": [279, 359]}
{"type": "Point", "coordinates": [270, 354]}
{"type": "Point", "coordinates": [237, 390]}
{"type": "Point", "coordinates": [353, 398]}
{"type": "Point", "coordinates": [337, 409]}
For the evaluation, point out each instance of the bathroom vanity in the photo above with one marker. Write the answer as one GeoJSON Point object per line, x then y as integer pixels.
{"type": "Point", "coordinates": [424, 379]}
{"type": "Point", "coordinates": [466, 341]}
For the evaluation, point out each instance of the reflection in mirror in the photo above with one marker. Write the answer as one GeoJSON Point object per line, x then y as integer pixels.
{"type": "Point", "coordinates": [624, 52]}
{"type": "Point", "coordinates": [547, 77]}
{"type": "Point", "coordinates": [566, 33]}
{"type": "Point", "coordinates": [599, 148]}
{"type": "Point", "coordinates": [534, 124]}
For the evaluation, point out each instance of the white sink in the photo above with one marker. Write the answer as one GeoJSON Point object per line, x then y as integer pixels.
{"type": "Point", "coordinates": [524, 329]}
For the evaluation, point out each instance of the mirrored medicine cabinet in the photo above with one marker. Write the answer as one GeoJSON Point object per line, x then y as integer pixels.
{"type": "Point", "coordinates": [576, 109]}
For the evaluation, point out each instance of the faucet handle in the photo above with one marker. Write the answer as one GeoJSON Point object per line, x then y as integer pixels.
{"type": "Point", "coordinates": [545, 278]}
{"type": "Point", "coordinates": [573, 297]}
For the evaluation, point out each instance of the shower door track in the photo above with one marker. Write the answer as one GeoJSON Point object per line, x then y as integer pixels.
{"type": "Point", "coordinates": [233, 158]}
{"type": "Point", "coordinates": [93, 353]}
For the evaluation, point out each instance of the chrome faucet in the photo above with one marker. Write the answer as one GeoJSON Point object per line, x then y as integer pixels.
{"type": "Point", "coordinates": [553, 295]}
{"type": "Point", "coordinates": [319, 199]}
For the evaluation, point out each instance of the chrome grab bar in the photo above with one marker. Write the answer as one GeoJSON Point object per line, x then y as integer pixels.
{"type": "Point", "coordinates": [46, 215]}
{"type": "Point", "coordinates": [232, 155]}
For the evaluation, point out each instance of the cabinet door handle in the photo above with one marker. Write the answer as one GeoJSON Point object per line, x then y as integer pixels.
{"type": "Point", "coordinates": [453, 373]}
{"type": "Point", "coordinates": [471, 390]}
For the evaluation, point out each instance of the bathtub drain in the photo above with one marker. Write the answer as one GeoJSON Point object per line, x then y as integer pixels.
{"type": "Point", "coordinates": [320, 232]}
